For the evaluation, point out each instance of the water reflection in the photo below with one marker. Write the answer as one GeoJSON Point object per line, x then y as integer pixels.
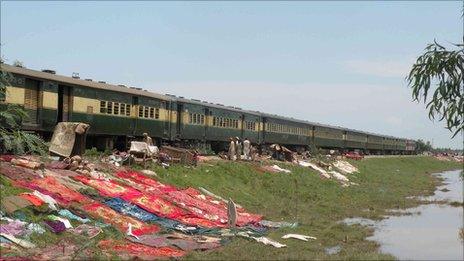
{"type": "Point", "coordinates": [431, 235]}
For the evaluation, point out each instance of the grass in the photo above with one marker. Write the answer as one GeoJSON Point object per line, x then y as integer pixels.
{"type": "Point", "coordinates": [317, 205]}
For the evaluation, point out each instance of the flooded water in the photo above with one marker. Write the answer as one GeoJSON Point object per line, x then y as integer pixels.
{"type": "Point", "coordinates": [432, 233]}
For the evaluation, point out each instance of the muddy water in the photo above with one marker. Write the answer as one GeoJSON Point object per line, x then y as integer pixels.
{"type": "Point", "coordinates": [431, 233]}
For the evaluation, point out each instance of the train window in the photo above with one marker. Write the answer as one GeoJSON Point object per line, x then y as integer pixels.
{"type": "Point", "coordinates": [128, 109]}
{"type": "Point", "coordinates": [110, 108]}
{"type": "Point", "coordinates": [202, 119]}
{"type": "Point", "coordinates": [145, 111]}
{"type": "Point", "coordinates": [140, 111]}
{"type": "Point", "coordinates": [157, 113]}
{"type": "Point", "coordinates": [116, 108]}
{"type": "Point", "coordinates": [122, 107]}
{"type": "Point", "coordinates": [214, 121]}
{"type": "Point", "coordinates": [152, 112]}
{"type": "Point", "coordinates": [190, 118]}
{"type": "Point", "coordinates": [102, 106]}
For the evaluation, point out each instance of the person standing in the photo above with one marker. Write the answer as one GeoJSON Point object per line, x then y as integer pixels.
{"type": "Point", "coordinates": [231, 149]}
{"type": "Point", "coordinates": [238, 148]}
{"type": "Point", "coordinates": [246, 149]}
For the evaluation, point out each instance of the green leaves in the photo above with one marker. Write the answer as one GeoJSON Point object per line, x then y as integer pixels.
{"type": "Point", "coordinates": [440, 71]}
{"type": "Point", "coordinates": [12, 138]}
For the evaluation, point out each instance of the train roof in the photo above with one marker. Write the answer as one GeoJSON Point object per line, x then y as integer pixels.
{"type": "Point", "coordinates": [138, 91]}
{"type": "Point", "coordinates": [82, 82]}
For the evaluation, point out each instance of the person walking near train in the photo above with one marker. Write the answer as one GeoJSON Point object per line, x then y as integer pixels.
{"type": "Point", "coordinates": [246, 149]}
{"type": "Point", "coordinates": [238, 148]}
{"type": "Point", "coordinates": [231, 149]}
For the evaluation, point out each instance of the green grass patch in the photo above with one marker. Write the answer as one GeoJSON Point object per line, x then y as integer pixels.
{"type": "Point", "coordinates": [317, 205]}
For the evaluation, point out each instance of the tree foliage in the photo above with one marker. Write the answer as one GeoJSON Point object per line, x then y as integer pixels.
{"type": "Point", "coordinates": [12, 138]}
{"type": "Point", "coordinates": [438, 74]}
{"type": "Point", "coordinates": [422, 146]}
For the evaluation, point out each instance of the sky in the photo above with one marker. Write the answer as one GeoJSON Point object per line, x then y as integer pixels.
{"type": "Point", "coordinates": [338, 63]}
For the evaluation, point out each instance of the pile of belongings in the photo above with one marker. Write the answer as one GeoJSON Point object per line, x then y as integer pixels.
{"type": "Point", "coordinates": [181, 155]}
{"type": "Point", "coordinates": [282, 153]}
{"type": "Point", "coordinates": [157, 220]}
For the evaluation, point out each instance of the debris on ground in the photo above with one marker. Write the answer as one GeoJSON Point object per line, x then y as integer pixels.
{"type": "Point", "coordinates": [298, 236]}
{"type": "Point", "coordinates": [77, 196]}
{"type": "Point", "coordinates": [345, 167]}
{"type": "Point", "coordinates": [274, 169]}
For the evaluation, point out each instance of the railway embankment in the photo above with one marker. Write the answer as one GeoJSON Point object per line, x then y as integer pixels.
{"type": "Point", "coordinates": [316, 204]}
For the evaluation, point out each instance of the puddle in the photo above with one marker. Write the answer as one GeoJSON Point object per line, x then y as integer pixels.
{"type": "Point", "coordinates": [431, 235]}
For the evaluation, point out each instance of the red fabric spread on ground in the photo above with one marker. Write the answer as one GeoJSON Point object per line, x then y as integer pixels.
{"type": "Point", "coordinates": [190, 199]}
{"type": "Point", "coordinates": [109, 188]}
{"type": "Point", "coordinates": [32, 198]}
{"type": "Point", "coordinates": [121, 222]}
{"type": "Point", "coordinates": [135, 250]}
{"type": "Point", "coordinates": [141, 179]}
{"type": "Point", "coordinates": [52, 187]}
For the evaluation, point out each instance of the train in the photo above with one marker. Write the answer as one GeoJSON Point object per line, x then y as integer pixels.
{"type": "Point", "coordinates": [118, 114]}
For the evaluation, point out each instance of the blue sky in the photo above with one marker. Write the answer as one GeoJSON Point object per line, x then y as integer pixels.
{"type": "Point", "coordinates": [340, 63]}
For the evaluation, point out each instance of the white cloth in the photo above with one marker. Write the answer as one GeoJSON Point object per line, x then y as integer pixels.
{"type": "Point", "coordinates": [321, 171]}
{"type": "Point", "coordinates": [268, 241]}
{"type": "Point", "coordinates": [298, 236]}
{"type": "Point", "coordinates": [246, 149]}
{"type": "Point", "coordinates": [47, 199]}
{"type": "Point", "coordinates": [280, 169]}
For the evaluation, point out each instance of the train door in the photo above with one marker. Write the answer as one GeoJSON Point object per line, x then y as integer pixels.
{"type": "Point", "coordinates": [180, 108]}
{"type": "Point", "coordinates": [167, 123]}
{"type": "Point", "coordinates": [31, 100]}
{"type": "Point", "coordinates": [207, 113]}
{"type": "Point", "coordinates": [64, 103]}
{"type": "Point", "coordinates": [242, 126]}
{"type": "Point", "coordinates": [134, 114]}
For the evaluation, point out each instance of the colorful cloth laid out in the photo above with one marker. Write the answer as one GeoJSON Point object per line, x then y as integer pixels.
{"type": "Point", "coordinates": [121, 222]}
{"type": "Point", "coordinates": [36, 201]}
{"type": "Point", "coordinates": [57, 165]}
{"type": "Point", "coordinates": [12, 203]}
{"type": "Point", "coordinates": [55, 226]}
{"type": "Point", "coordinates": [6, 158]}
{"type": "Point", "coordinates": [86, 230]}
{"type": "Point", "coordinates": [140, 178]}
{"type": "Point", "coordinates": [130, 250]}
{"type": "Point", "coordinates": [135, 211]}
{"type": "Point", "coordinates": [13, 227]}
{"type": "Point", "coordinates": [109, 188]}
{"type": "Point", "coordinates": [66, 222]}
{"type": "Point", "coordinates": [65, 249]}
{"type": "Point", "coordinates": [17, 173]}
{"type": "Point", "coordinates": [200, 205]}
{"type": "Point", "coordinates": [65, 180]}
{"type": "Point", "coordinates": [70, 215]}
{"type": "Point", "coordinates": [184, 243]}
{"type": "Point", "coordinates": [52, 187]}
